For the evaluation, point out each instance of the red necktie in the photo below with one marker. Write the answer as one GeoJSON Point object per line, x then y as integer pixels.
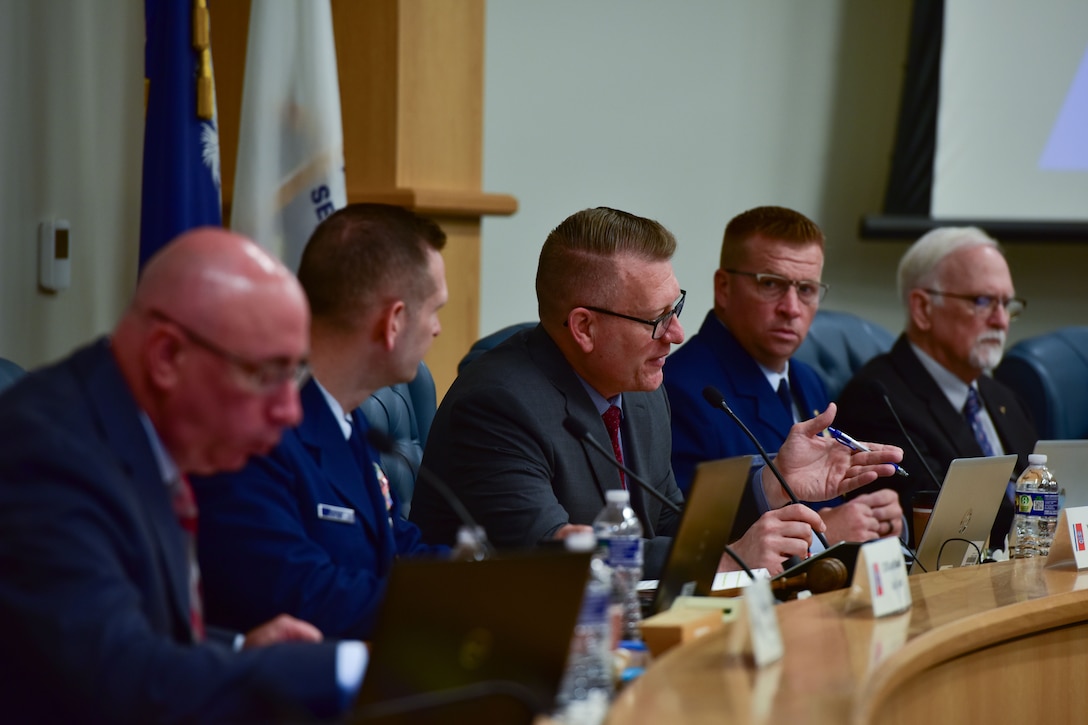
{"type": "Point", "coordinates": [181, 495]}
{"type": "Point", "coordinates": [612, 423]}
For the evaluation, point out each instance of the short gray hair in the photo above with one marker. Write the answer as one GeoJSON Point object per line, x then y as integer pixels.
{"type": "Point", "coordinates": [918, 269]}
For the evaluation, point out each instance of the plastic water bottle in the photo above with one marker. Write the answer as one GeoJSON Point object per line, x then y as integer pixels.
{"type": "Point", "coordinates": [471, 544]}
{"type": "Point", "coordinates": [619, 534]}
{"type": "Point", "coordinates": [1036, 510]}
{"type": "Point", "coordinates": [586, 689]}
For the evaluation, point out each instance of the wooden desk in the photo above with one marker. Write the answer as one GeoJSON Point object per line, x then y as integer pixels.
{"type": "Point", "coordinates": [982, 644]}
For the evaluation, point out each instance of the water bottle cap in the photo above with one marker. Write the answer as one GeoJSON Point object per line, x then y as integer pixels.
{"type": "Point", "coordinates": [469, 536]}
{"type": "Point", "coordinates": [617, 495]}
{"type": "Point", "coordinates": [1036, 459]}
{"type": "Point", "coordinates": [581, 541]}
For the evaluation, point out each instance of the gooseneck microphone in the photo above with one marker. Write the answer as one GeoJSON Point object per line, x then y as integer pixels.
{"type": "Point", "coordinates": [384, 444]}
{"type": "Point", "coordinates": [578, 429]}
{"type": "Point", "coordinates": [717, 400]}
{"type": "Point", "coordinates": [903, 429]}
{"type": "Point", "coordinates": [740, 563]}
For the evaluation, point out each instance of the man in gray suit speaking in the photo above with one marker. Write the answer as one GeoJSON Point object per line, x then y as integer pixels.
{"type": "Point", "coordinates": [609, 305]}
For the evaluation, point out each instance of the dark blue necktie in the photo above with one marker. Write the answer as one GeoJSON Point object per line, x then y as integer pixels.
{"type": "Point", "coordinates": [785, 397]}
{"type": "Point", "coordinates": [972, 410]}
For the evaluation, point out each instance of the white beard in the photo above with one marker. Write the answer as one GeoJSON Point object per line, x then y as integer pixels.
{"type": "Point", "coordinates": [985, 354]}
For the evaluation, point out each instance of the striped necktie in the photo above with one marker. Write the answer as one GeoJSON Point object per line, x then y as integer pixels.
{"type": "Point", "coordinates": [972, 410]}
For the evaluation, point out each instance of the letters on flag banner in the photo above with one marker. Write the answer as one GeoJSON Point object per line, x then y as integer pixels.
{"type": "Point", "coordinates": [290, 172]}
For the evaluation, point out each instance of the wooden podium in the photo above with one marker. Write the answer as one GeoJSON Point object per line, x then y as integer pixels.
{"type": "Point", "coordinates": [996, 643]}
{"type": "Point", "coordinates": [411, 94]}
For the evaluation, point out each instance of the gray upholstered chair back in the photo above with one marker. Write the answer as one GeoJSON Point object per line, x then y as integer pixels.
{"type": "Point", "coordinates": [838, 343]}
{"type": "Point", "coordinates": [1050, 374]}
{"type": "Point", "coordinates": [404, 413]}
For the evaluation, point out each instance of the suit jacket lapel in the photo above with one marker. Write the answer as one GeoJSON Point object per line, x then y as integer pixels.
{"type": "Point", "coordinates": [578, 405]}
{"type": "Point", "coordinates": [749, 394]}
{"type": "Point", "coordinates": [951, 421]}
{"type": "Point", "coordinates": [637, 444]}
{"type": "Point", "coordinates": [1015, 433]}
{"type": "Point", "coordinates": [120, 420]}
{"type": "Point", "coordinates": [323, 438]}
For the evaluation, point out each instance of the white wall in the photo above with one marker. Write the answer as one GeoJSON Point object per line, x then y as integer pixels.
{"type": "Point", "coordinates": [691, 112]}
{"type": "Point", "coordinates": [687, 111]}
{"type": "Point", "coordinates": [72, 131]}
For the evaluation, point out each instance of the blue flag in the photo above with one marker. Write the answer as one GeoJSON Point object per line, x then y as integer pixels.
{"type": "Point", "coordinates": [181, 149]}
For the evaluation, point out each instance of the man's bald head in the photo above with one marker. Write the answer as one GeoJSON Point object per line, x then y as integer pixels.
{"type": "Point", "coordinates": [211, 346]}
{"type": "Point", "coordinates": [207, 274]}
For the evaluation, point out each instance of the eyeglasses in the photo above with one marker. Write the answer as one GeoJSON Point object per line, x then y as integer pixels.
{"type": "Point", "coordinates": [262, 376]}
{"type": "Point", "coordinates": [774, 287]}
{"type": "Point", "coordinates": [660, 324]}
{"type": "Point", "coordinates": [984, 305]}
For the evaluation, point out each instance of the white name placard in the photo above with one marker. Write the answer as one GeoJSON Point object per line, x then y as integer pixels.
{"type": "Point", "coordinates": [756, 629]}
{"type": "Point", "coordinates": [1070, 543]}
{"type": "Point", "coordinates": [880, 577]}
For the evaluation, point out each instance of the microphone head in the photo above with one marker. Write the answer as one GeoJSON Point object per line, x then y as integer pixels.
{"type": "Point", "coordinates": [576, 428]}
{"type": "Point", "coordinates": [882, 391]}
{"type": "Point", "coordinates": [382, 442]}
{"type": "Point", "coordinates": [714, 396]}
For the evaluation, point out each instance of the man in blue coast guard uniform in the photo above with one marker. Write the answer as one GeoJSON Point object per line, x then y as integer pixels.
{"type": "Point", "coordinates": [312, 528]}
{"type": "Point", "coordinates": [766, 293]}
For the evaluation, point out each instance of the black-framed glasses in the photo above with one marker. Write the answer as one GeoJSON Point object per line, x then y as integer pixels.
{"type": "Point", "coordinates": [660, 325]}
{"type": "Point", "coordinates": [262, 376]}
{"type": "Point", "coordinates": [773, 287]}
{"type": "Point", "coordinates": [984, 305]}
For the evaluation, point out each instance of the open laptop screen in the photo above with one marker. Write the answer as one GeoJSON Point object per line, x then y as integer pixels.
{"type": "Point", "coordinates": [472, 641]}
{"type": "Point", "coordinates": [707, 521]}
{"type": "Point", "coordinates": [965, 509]}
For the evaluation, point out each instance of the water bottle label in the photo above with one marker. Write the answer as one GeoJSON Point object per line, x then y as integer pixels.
{"type": "Point", "coordinates": [594, 607]}
{"type": "Point", "coordinates": [623, 551]}
{"type": "Point", "coordinates": [1037, 504]}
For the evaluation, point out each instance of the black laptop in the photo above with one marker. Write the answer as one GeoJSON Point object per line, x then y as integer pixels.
{"type": "Point", "coordinates": [707, 521]}
{"type": "Point", "coordinates": [481, 641]}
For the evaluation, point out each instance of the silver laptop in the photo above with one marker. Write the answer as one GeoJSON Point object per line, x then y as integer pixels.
{"type": "Point", "coordinates": [1068, 461]}
{"type": "Point", "coordinates": [965, 509]}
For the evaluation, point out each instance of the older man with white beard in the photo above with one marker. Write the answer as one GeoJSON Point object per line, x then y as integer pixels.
{"type": "Point", "coordinates": [959, 298]}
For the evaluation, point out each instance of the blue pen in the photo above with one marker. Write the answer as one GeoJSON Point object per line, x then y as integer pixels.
{"type": "Point", "coordinates": [853, 445]}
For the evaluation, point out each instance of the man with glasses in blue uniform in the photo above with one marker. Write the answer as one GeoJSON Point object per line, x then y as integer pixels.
{"type": "Point", "coordinates": [766, 293]}
{"type": "Point", "coordinates": [958, 294]}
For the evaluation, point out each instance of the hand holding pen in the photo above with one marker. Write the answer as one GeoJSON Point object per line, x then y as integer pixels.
{"type": "Point", "coordinates": [854, 445]}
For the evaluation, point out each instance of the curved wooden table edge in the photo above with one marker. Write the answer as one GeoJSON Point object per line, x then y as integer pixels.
{"type": "Point", "coordinates": [964, 636]}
